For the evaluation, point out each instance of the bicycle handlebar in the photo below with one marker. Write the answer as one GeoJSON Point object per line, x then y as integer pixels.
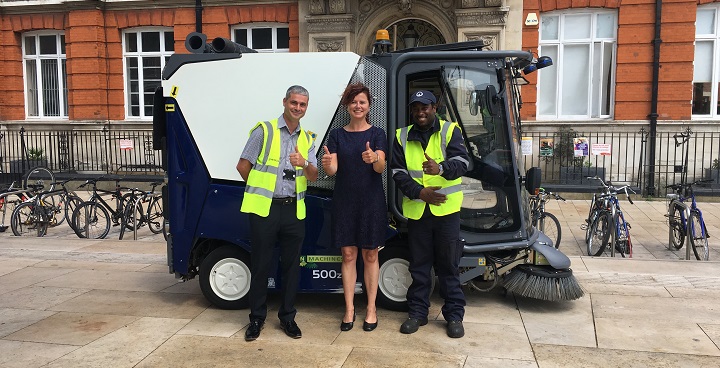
{"type": "Point", "coordinates": [611, 190]}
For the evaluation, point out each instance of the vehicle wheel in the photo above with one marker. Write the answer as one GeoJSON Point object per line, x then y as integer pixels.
{"type": "Point", "coordinates": [40, 176]}
{"type": "Point", "coordinates": [550, 226]}
{"type": "Point", "coordinates": [225, 277]}
{"type": "Point", "coordinates": [166, 229]}
{"type": "Point", "coordinates": [26, 220]}
{"type": "Point", "coordinates": [394, 279]}
{"type": "Point", "coordinates": [698, 238]}
{"type": "Point", "coordinates": [92, 218]}
{"type": "Point", "coordinates": [599, 234]}
{"type": "Point", "coordinates": [155, 216]}
{"type": "Point", "coordinates": [677, 232]}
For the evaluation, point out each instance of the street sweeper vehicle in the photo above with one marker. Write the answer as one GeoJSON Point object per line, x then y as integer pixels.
{"type": "Point", "coordinates": [211, 98]}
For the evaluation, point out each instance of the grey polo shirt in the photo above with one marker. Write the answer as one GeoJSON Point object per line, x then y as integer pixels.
{"type": "Point", "coordinates": [288, 141]}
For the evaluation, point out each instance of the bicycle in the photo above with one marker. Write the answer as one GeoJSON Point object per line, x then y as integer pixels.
{"type": "Point", "coordinates": [545, 221]}
{"type": "Point", "coordinates": [10, 199]}
{"type": "Point", "coordinates": [35, 214]}
{"type": "Point", "coordinates": [609, 227]}
{"type": "Point", "coordinates": [39, 176]}
{"type": "Point", "coordinates": [145, 209]}
{"type": "Point", "coordinates": [91, 219]}
{"type": "Point", "coordinates": [684, 219]}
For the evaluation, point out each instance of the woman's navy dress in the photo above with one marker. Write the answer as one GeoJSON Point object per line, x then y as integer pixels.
{"type": "Point", "coordinates": [359, 212]}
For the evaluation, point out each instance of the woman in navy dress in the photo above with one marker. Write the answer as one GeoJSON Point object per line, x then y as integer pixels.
{"type": "Point", "coordinates": [356, 154]}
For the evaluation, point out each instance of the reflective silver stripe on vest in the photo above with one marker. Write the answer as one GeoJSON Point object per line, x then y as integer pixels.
{"type": "Point", "coordinates": [403, 138]}
{"type": "Point", "coordinates": [395, 171]}
{"type": "Point", "coordinates": [449, 190]}
{"type": "Point", "coordinates": [259, 191]}
{"type": "Point", "coordinates": [443, 139]}
{"type": "Point", "coordinates": [267, 144]}
{"type": "Point", "coordinates": [300, 196]}
{"type": "Point", "coordinates": [416, 174]}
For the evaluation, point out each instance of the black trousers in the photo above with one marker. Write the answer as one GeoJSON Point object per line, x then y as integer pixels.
{"type": "Point", "coordinates": [282, 228]}
{"type": "Point", "coordinates": [434, 243]}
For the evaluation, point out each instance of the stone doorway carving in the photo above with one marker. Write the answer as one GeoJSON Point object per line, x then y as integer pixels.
{"type": "Point", "coordinates": [415, 30]}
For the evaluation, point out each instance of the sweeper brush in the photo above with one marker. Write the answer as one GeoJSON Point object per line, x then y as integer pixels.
{"type": "Point", "coordinates": [545, 283]}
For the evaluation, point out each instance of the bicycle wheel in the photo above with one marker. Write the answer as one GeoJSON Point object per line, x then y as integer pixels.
{"type": "Point", "coordinates": [71, 203]}
{"type": "Point", "coordinates": [55, 209]}
{"type": "Point", "coordinates": [26, 219]}
{"type": "Point", "coordinates": [599, 234]}
{"type": "Point", "coordinates": [91, 220]}
{"type": "Point", "coordinates": [698, 237]}
{"type": "Point", "coordinates": [154, 215]}
{"type": "Point", "coordinates": [40, 176]}
{"type": "Point", "coordinates": [126, 200]}
{"type": "Point", "coordinates": [677, 231]}
{"type": "Point", "coordinates": [550, 226]}
{"type": "Point", "coordinates": [133, 217]}
{"type": "Point", "coordinates": [622, 237]}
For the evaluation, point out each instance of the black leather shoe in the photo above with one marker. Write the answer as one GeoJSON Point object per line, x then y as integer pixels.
{"type": "Point", "coordinates": [347, 326]}
{"type": "Point", "coordinates": [455, 329]}
{"type": "Point", "coordinates": [291, 329]}
{"type": "Point", "coordinates": [253, 330]}
{"type": "Point", "coordinates": [369, 326]}
{"type": "Point", "coordinates": [411, 325]}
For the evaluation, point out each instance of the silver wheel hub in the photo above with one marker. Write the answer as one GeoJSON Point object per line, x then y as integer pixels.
{"type": "Point", "coordinates": [395, 279]}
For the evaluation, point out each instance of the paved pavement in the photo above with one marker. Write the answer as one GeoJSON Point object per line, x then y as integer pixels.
{"type": "Point", "coordinates": [68, 302]}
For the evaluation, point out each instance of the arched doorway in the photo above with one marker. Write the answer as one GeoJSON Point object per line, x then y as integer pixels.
{"type": "Point", "coordinates": [413, 32]}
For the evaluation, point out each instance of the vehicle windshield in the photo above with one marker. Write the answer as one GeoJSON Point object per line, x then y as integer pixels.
{"type": "Point", "coordinates": [475, 98]}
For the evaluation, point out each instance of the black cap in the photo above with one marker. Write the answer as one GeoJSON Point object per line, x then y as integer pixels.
{"type": "Point", "coordinates": [424, 97]}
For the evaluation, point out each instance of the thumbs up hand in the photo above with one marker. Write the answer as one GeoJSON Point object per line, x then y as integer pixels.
{"type": "Point", "coordinates": [369, 156]}
{"type": "Point", "coordinates": [430, 167]}
{"type": "Point", "coordinates": [296, 159]}
{"type": "Point", "coordinates": [327, 159]}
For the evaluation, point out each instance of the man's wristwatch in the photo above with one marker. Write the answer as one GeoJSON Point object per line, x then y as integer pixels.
{"type": "Point", "coordinates": [306, 164]}
{"type": "Point", "coordinates": [441, 168]}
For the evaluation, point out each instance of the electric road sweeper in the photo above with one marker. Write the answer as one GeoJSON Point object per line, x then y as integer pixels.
{"type": "Point", "coordinates": [209, 99]}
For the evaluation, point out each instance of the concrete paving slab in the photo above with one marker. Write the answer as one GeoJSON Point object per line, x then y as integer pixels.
{"type": "Point", "coordinates": [482, 362]}
{"type": "Point", "coordinates": [8, 265]}
{"type": "Point", "coordinates": [71, 328]}
{"type": "Point", "coordinates": [21, 354]}
{"type": "Point", "coordinates": [481, 339]}
{"type": "Point", "coordinates": [39, 297]}
{"type": "Point", "coordinates": [712, 331]}
{"type": "Point", "coordinates": [493, 307]}
{"type": "Point", "coordinates": [388, 357]}
{"type": "Point", "coordinates": [182, 351]}
{"type": "Point", "coordinates": [187, 287]}
{"type": "Point", "coordinates": [28, 276]}
{"type": "Point", "coordinates": [216, 322]}
{"type": "Point", "coordinates": [125, 347]}
{"type": "Point", "coordinates": [12, 320]}
{"type": "Point", "coordinates": [559, 323]}
{"type": "Point", "coordinates": [654, 335]}
{"type": "Point", "coordinates": [91, 265]}
{"type": "Point", "coordinates": [113, 280]}
{"type": "Point", "coordinates": [559, 356]}
{"type": "Point", "coordinates": [663, 310]}
{"type": "Point", "coordinates": [136, 303]}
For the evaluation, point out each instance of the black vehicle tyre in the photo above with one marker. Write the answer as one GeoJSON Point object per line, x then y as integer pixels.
{"type": "Point", "coordinates": [166, 229]}
{"type": "Point", "coordinates": [92, 217]}
{"type": "Point", "coordinates": [39, 176]}
{"type": "Point", "coordinates": [677, 232]}
{"type": "Point", "coordinates": [698, 238]}
{"type": "Point", "coordinates": [225, 277]}
{"type": "Point", "coordinates": [599, 234]}
{"type": "Point", "coordinates": [550, 226]}
{"type": "Point", "coordinates": [155, 216]}
{"type": "Point", "coordinates": [26, 220]}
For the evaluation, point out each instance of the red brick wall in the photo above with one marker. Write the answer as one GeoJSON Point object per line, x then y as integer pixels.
{"type": "Point", "coordinates": [94, 50]}
{"type": "Point", "coordinates": [636, 30]}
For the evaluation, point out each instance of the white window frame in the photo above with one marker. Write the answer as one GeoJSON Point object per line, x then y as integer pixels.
{"type": "Point", "coordinates": [40, 84]}
{"type": "Point", "coordinates": [162, 54]}
{"type": "Point", "coordinates": [252, 26]}
{"type": "Point", "coordinates": [559, 61]}
{"type": "Point", "coordinates": [715, 80]}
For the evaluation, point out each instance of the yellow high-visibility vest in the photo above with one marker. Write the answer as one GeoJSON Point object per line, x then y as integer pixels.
{"type": "Point", "coordinates": [263, 176]}
{"type": "Point", "coordinates": [415, 156]}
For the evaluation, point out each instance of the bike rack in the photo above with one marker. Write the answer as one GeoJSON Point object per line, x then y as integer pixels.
{"type": "Point", "coordinates": [686, 211]}
{"type": "Point", "coordinates": [6, 194]}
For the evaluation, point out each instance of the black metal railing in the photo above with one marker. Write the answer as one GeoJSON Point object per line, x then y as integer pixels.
{"type": "Point", "coordinates": [80, 151]}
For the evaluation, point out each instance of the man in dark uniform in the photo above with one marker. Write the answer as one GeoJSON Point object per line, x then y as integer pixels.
{"type": "Point", "coordinates": [429, 159]}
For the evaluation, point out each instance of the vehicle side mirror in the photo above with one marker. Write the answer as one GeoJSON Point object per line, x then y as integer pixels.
{"type": "Point", "coordinates": [483, 99]}
{"type": "Point", "coordinates": [533, 179]}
